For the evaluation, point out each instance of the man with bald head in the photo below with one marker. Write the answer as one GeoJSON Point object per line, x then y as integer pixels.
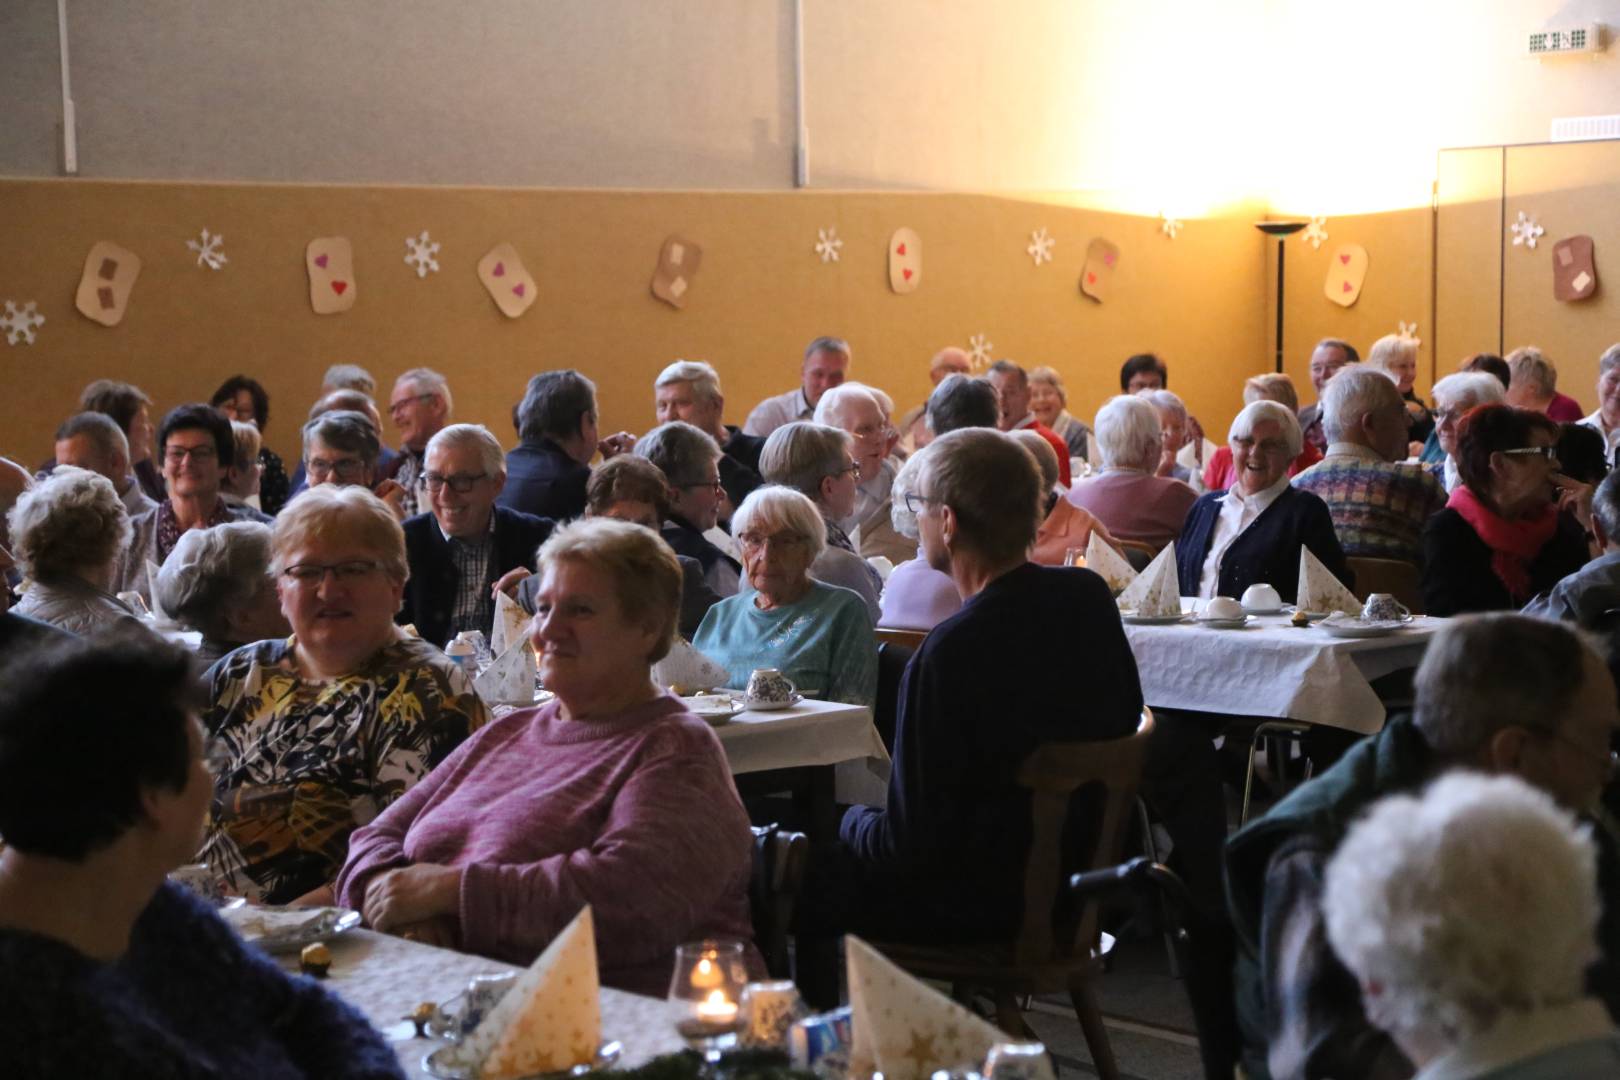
{"type": "Point", "coordinates": [913, 426]}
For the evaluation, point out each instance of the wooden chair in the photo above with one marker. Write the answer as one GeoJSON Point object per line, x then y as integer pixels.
{"type": "Point", "coordinates": [1045, 956]}
{"type": "Point", "coordinates": [780, 859]}
{"type": "Point", "coordinates": [892, 660]}
{"type": "Point", "coordinates": [1400, 579]}
{"type": "Point", "coordinates": [911, 639]}
{"type": "Point", "coordinates": [1138, 553]}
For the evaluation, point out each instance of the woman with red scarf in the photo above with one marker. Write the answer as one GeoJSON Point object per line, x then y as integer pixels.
{"type": "Point", "coordinates": [1504, 535]}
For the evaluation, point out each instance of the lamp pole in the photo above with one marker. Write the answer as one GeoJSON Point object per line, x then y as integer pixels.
{"type": "Point", "coordinates": [1281, 230]}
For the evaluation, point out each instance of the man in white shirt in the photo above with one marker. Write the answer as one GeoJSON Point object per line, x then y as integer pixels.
{"type": "Point", "coordinates": [1606, 420]}
{"type": "Point", "coordinates": [826, 364]}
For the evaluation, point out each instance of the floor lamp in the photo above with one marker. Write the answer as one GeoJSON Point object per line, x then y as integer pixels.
{"type": "Point", "coordinates": [1282, 230]}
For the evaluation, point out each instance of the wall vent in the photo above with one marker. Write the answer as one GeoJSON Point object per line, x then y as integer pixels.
{"type": "Point", "coordinates": [1565, 41]}
{"type": "Point", "coordinates": [1582, 128]}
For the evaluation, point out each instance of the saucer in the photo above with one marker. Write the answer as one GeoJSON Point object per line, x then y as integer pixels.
{"type": "Point", "coordinates": [754, 705]}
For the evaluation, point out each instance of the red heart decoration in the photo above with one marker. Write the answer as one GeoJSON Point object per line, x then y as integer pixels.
{"type": "Point", "coordinates": [500, 270]}
{"type": "Point", "coordinates": [1091, 279]}
{"type": "Point", "coordinates": [320, 261]}
{"type": "Point", "coordinates": [901, 250]}
{"type": "Point", "coordinates": [1346, 287]}
{"type": "Point", "coordinates": [517, 290]}
{"type": "Point", "coordinates": [1345, 259]}
{"type": "Point", "coordinates": [906, 274]}
{"type": "Point", "coordinates": [1109, 258]}
{"type": "Point", "coordinates": [339, 286]}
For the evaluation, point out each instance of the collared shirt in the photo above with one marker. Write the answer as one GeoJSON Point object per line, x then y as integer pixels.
{"type": "Point", "coordinates": [871, 494]}
{"type": "Point", "coordinates": [1238, 512]}
{"type": "Point", "coordinates": [409, 477]}
{"type": "Point", "coordinates": [1611, 436]}
{"type": "Point", "coordinates": [778, 411]}
{"type": "Point", "coordinates": [474, 608]}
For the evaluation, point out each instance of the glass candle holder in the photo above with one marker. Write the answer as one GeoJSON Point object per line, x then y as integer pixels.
{"type": "Point", "coordinates": [708, 981]}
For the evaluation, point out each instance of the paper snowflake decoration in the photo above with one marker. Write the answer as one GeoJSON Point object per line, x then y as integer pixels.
{"type": "Point", "coordinates": [419, 252]}
{"type": "Point", "coordinates": [1408, 332]}
{"type": "Point", "coordinates": [208, 250]}
{"type": "Point", "coordinates": [827, 244]}
{"type": "Point", "coordinates": [1040, 246]}
{"type": "Point", "coordinates": [979, 347]}
{"type": "Point", "coordinates": [20, 323]}
{"type": "Point", "coordinates": [1526, 231]}
{"type": "Point", "coordinates": [1170, 226]}
{"type": "Point", "coordinates": [1315, 232]}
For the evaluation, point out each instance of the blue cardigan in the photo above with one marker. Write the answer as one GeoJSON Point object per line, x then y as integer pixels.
{"type": "Point", "coordinates": [1268, 550]}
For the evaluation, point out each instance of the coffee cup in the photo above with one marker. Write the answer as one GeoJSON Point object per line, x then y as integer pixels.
{"type": "Point", "coordinates": [484, 992]}
{"type": "Point", "coordinates": [1384, 608]}
{"type": "Point", "coordinates": [1261, 597]}
{"type": "Point", "coordinates": [768, 686]}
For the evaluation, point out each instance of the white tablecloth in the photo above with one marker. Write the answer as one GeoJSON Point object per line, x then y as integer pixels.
{"type": "Point", "coordinates": [387, 977]}
{"type": "Point", "coordinates": [1270, 668]}
{"type": "Point", "coordinates": [812, 733]}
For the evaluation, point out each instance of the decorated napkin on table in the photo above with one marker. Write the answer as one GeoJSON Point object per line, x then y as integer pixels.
{"type": "Point", "coordinates": [1157, 590]}
{"type": "Point", "coordinates": [686, 671]}
{"type": "Point", "coordinates": [510, 679]}
{"type": "Point", "coordinates": [904, 1029]}
{"type": "Point", "coordinates": [152, 570]}
{"type": "Point", "coordinates": [1109, 565]}
{"type": "Point", "coordinates": [549, 1021]}
{"type": "Point", "coordinates": [510, 623]}
{"type": "Point", "coordinates": [1319, 590]}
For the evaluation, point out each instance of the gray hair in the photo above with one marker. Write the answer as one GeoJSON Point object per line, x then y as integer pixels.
{"type": "Point", "coordinates": [349, 377]}
{"type": "Point", "coordinates": [1401, 906]}
{"type": "Point", "coordinates": [427, 381]}
{"type": "Point", "coordinates": [1257, 411]}
{"type": "Point", "coordinates": [829, 410]}
{"type": "Point", "coordinates": [1530, 365]}
{"type": "Point", "coordinates": [102, 430]}
{"type": "Point", "coordinates": [704, 379]}
{"type": "Point", "coordinates": [491, 458]}
{"type": "Point", "coordinates": [1389, 349]}
{"type": "Point", "coordinates": [681, 451]}
{"type": "Point", "coordinates": [1050, 377]}
{"type": "Point", "coordinates": [1128, 433]}
{"type": "Point", "coordinates": [345, 430]}
{"type": "Point", "coordinates": [802, 454]}
{"type": "Point", "coordinates": [1468, 390]}
{"type": "Point", "coordinates": [775, 507]}
{"type": "Point", "coordinates": [1606, 506]}
{"type": "Point", "coordinates": [993, 488]}
{"type": "Point", "coordinates": [1272, 386]}
{"type": "Point", "coordinates": [827, 344]}
{"type": "Point", "coordinates": [1483, 673]}
{"type": "Point", "coordinates": [211, 571]}
{"type": "Point", "coordinates": [1165, 401]}
{"type": "Point", "coordinates": [1045, 457]}
{"type": "Point", "coordinates": [1353, 393]}
{"type": "Point", "coordinates": [553, 405]}
{"type": "Point", "coordinates": [909, 479]}
{"type": "Point", "coordinates": [71, 522]}
{"type": "Point", "coordinates": [962, 401]}
{"type": "Point", "coordinates": [1610, 357]}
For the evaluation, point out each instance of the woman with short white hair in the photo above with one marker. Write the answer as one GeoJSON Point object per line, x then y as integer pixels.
{"type": "Point", "coordinates": [1131, 502]}
{"type": "Point", "coordinates": [1219, 472]}
{"type": "Point", "coordinates": [1396, 356]}
{"type": "Point", "coordinates": [1454, 396]}
{"type": "Point", "coordinates": [818, 635]}
{"type": "Point", "coordinates": [67, 534]}
{"type": "Point", "coordinates": [217, 582]}
{"type": "Point", "coordinates": [1253, 532]}
{"type": "Point", "coordinates": [1049, 401]}
{"type": "Point", "coordinates": [1482, 992]}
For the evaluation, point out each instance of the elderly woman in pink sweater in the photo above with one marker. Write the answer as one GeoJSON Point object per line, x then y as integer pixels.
{"type": "Point", "coordinates": [611, 795]}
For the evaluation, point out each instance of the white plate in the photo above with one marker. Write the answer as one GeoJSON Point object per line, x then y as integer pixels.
{"type": "Point", "coordinates": [434, 1064]}
{"type": "Point", "coordinates": [1150, 620]}
{"type": "Point", "coordinates": [1227, 624]}
{"type": "Point", "coordinates": [715, 708]}
{"type": "Point", "coordinates": [1361, 628]}
{"type": "Point", "coordinates": [1278, 610]}
{"type": "Point", "coordinates": [289, 929]}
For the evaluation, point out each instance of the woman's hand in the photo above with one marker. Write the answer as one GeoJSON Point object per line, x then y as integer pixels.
{"type": "Point", "coordinates": [392, 493]}
{"type": "Point", "coordinates": [621, 443]}
{"type": "Point", "coordinates": [441, 932]}
{"type": "Point", "coordinates": [1574, 497]}
{"type": "Point", "coordinates": [412, 894]}
{"type": "Point", "coordinates": [508, 582]}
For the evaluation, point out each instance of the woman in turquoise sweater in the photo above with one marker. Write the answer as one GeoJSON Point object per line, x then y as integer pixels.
{"type": "Point", "coordinates": [818, 635]}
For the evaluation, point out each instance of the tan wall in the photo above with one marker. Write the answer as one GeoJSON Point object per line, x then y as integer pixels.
{"type": "Point", "coordinates": [760, 296]}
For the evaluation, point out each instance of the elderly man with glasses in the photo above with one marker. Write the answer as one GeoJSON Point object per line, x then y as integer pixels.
{"type": "Point", "coordinates": [459, 550]}
{"type": "Point", "coordinates": [420, 407]}
{"type": "Point", "coordinates": [860, 410]}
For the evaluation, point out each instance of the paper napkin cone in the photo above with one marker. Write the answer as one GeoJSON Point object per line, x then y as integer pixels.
{"type": "Point", "coordinates": [687, 671]}
{"type": "Point", "coordinates": [904, 1029]}
{"type": "Point", "coordinates": [1319, 590]}
{"type": "Point", "coordinates": [154, 607]}
{"type": "Point", "coordinates": [510, 679]}
{"type": "Point", "coordinates": [1109, 565]}
{"type": "Point", "coordinates": [550, 1021]}
{"type": "Point", "coordinates": [1156, 591]}
{"type": "Point", "coordinates": [510, 623]}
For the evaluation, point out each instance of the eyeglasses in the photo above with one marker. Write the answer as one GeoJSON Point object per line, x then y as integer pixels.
{"type": "Point", "coordinates": [177, 454]}
{"type": "Point", "coordinates": [397, 407]}
{"type": "Point", "coordinates": [345, 573]}
{"type": "Point", "coordinates": [343, 469]}
{"type": "Point", "coordinates": [852, 467]}
{"type": "Point", "coordinates": [1610, 758]}
{"type": "Point", "coordinates": [1548, 452]}
{"type": "Point", "coordinates": [460, 483]}
{"type": "Point", "coordinates": [1268, 447]}
{"type": "Point", "coordinates": [752, 541]}
{"type": "Point", "coordinates": [916, 501]}
{"type": "Point", "coordinates": [716, 485]}
{"type": "Point", "coordinates": [867, 431]}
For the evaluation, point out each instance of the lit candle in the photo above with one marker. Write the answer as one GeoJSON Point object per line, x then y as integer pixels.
{"type": "Point", "coordinates": [715, 1009]}
{"type": "Point", "coordinates": [706, 974]}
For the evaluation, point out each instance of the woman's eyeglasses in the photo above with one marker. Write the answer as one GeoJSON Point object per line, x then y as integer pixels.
{"type": "Point", "coordinates": [1548, 452]}
{"type": "Point", "coordinates": [346, 573]}
{"type": "Point", "coordinates": [716, 485]}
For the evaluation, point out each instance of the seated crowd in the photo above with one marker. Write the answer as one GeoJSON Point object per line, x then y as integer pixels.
{"type": "Point", "coordinates": [314, 743]}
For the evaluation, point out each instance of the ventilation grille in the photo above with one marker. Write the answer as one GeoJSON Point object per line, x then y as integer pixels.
{"type": "Point", "coordinates": [1575, 39]}
{"type": "Point", "coordinates": [1583, 128]}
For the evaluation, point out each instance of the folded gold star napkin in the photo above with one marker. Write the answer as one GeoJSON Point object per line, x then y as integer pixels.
{"type": "Point", "coordinates": [904, 1029]}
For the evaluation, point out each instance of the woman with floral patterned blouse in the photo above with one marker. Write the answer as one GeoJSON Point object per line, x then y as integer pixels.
{"type": "Point", "coordinates": [315, 735]}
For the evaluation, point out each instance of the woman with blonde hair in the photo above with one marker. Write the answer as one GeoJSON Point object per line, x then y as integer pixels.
{"type": "Point", "coordinates": [1396, 356]}
{"type": "Point", "coordinates": [67, 534]}
{"type": "Point", "coordinates": [1049, 401]}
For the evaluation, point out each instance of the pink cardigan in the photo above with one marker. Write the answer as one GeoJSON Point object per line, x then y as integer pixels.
{"type": "Point", "coordinates": [637, 816]}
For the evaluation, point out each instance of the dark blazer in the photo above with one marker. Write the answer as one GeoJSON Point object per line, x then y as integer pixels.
{"type": "Point", "coordinates": [1457, 574]}
{"type": "Point", "coordinates": [543, 480]}
{"type": "Point", "coordinates": [696, 596]}
{"type": "Point", "coordinates": [737, 478]}
{"type": "Point", "coordinates": [1268, 550]}
{"type": "Point", "coordinates": [743, 448]}
{"type": "Point", "coordinates": [430, 594]}
{"type": "Point", "coordinates": [688, 540]}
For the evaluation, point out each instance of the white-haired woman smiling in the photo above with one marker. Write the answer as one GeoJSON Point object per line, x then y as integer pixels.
{"type": "Point", "coordinates": [1473, 991]}
{"type": "Point", "coordinates": [217, 582]}
{"type": "Point", "coordinates": [1253, 532]}
{"type": "Point", "coordinates": [1455, 396]}
{"type": "Point", "coordinates": [816, 634]}
{"type": "Point", "coordinates": [67, 534]}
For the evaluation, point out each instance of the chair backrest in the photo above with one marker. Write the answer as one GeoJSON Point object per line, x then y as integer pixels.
{"type": "Point", "coordinates": [1398, 578]}
{"type": "Point", "coordinates": [911, 639]}
{"type": "Point", "coordinates": [1137, 553]}
{"type": "Point", "coordinates": [1054, 773]}
{"type": "Point", "coordinates": [779, 862]}
{"type": "Point", "coordinates": [892, 660]}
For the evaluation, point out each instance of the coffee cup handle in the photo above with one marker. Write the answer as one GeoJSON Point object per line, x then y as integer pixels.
{"type": "Point", "coordinates": [1406, 612]}
{"type": "Point", "coordinates": [792, 686]}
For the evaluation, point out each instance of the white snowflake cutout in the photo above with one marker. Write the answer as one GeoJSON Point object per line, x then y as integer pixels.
{"type": "Point", "coordinates": [1170, 226]}
{"type": "Point", "coordinates": [827, 244]}
{"type": "Point", "coordinates": [1315, 232]}
{"type": "Point", "coordinates": [1408, 332]}
{"type": "Point", "coordinates": [979, 348]}
{"type": "Point", "coordinates": [21, 323]}
{"type": "Point", "coordinates": [419, 252]}
{"type": "Point", "coordinates": [1526, 231]}
{"type": "Point", "coordinates": [208, 250]}
{"type": "Point", "coordinates": [1040, 246]}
